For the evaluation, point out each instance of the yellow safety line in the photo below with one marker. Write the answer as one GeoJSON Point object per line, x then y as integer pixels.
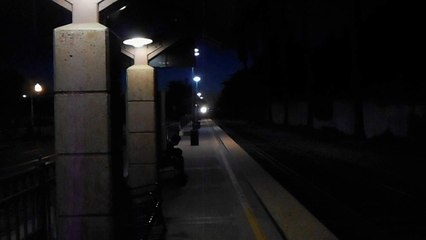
{"type": "Point", "coordinates": [255, 226]}
{"type": "Point", "coordinates": [251, 217]}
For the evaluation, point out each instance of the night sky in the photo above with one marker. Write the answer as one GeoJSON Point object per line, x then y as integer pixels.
{"type": "Point", "coordinates": [214, 65]}
{"type": "Point", "coordinates": [28, 37]}
{"type": "Point", "coordinates": [227, 32]}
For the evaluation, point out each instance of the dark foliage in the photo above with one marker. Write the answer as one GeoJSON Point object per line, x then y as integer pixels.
{"type": "Point", "coordinates": [12, 106]}
{"type": "Point", "coordinates": [178, 100]}
{"type": "Point", "coordinates": [319, 53]}
{"type": "Point", "coordinates": [243, 96]}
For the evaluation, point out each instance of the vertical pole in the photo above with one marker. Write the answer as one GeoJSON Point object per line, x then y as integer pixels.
{"type": "Point", "coordinates": [356, 77]}
{"type": "Point", "coordinates": [192, 100]}
{"type": "Point", "coordinates": [196, 104]}
{"type": "Point", "coordinates": [32, 114]}
{"type": "Point", "coordinates": [194, 131]}
{"type": "Point", "coordinates": [163, 121]}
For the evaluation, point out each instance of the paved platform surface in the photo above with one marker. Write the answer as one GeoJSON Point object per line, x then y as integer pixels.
{"type": "Point", "coordinates": [229, 196]}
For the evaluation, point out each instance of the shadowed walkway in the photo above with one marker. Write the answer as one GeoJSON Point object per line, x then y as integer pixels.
{"type": "Point", "coordinates": [229, 196]}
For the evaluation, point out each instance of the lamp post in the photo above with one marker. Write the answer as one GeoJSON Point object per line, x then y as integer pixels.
{"type": "Point", "coordinates": [195, 126]}
{"type": "Point", "coordinates": [195, 117]}
{"type": "Point", "coordinates": [195, 123]}
{"type": "Point", "coordinates": [37, 89]}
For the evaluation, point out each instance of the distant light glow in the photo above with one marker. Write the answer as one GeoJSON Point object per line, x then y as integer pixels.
{"type": "Point", "coordinates": [196, 78]}
{"type": "Point", "coordinates": [196, 50]}
{"type": "Point", "coordinates": [203, 109]}
{"type": "Point", "coordinates": [137, 42]}
{"type": "Point", "coordinates": [124, 7]}
{"type": "Point", "coordinates": [38, 88]}
{"type": "Point", "coordinates": [199, 94]}
{"type": "Point", "coordinates": [24, 95]}
{"type": "Point", "coordinates": [196, 54]}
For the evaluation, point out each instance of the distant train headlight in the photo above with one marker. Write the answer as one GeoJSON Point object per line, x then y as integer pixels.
{"type": "Point", "coordinates": [203, 109]}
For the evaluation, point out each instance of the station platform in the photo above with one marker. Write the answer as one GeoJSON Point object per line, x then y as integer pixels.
{"type": "Point", "coordinates": [229, 196]}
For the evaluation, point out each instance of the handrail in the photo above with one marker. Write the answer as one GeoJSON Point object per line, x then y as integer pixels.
{"type": "Point", "coordinates": [25, 167]}
{"type": "Point", "coordinates": [27, 203]}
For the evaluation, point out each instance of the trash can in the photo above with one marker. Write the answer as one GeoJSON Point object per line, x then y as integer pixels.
{"type": "Point", "coordinates": [194, 137]}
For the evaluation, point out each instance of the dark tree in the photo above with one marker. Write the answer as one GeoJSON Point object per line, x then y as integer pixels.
{"type": "Point", "coordinates": [178, 100]}
{"type": "Point", "coordinates": [244, 96]}
{"type": "Point", "coordinates": [12, 104]}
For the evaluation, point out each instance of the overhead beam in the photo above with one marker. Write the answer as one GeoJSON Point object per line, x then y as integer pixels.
{"type": "Point", "coordinates": [65, 4]}
{"type": "Point", "coordinates": [152, 50]}
{"type": "Point", "coordinates": [85, 11]}
{"type": "Point", "coordinates": [105, 3]}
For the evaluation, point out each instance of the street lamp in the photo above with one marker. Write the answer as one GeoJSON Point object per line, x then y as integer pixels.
{"type": "Point", "coordinates": [37, 89]}
{"type": "Point", "coordinates": [196, 80]}
{"type": "Point", "coordinates": [203, 109]}
{"type": "Point", "coordinates": [137, 42]}
{"type": "Point", "coordinates": [140, 56]}
{"type": "Point", "coordinates": [195, 123]}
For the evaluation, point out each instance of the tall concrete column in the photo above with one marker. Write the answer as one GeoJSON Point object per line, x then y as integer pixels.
{"type": "Point", "coordinates": [141, 122]}
{"type": "Point", "coordinates": [82, 126]}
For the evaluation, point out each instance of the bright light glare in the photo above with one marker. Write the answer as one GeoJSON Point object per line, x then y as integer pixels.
{"type": "Point", "coordinates": [121, 9]}
{"type": "Point", "coordinates": [24, 95]}
{"type": "Point", "coordinates": [196, 78]}
{"type": "Point", "coordinates": [137, 42]}
{"type": "Point", "coordinates": [196, 54]}
{"type": "Point", "coordinates": [203, 109]}
{"type": "Point", "coordinates": [199, 94]}
{"type": "Point", "coordinates": [38, 88]}
{"type": "Point", "coordinates": [196, 50]}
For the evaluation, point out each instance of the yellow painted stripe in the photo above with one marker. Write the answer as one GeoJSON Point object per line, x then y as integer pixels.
{"type": "Point", "coordinates": [255, 226]}
{"type": "Point", "coordinates": [251, 217]}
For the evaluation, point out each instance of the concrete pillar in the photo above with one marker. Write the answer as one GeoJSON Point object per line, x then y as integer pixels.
{"type": "Point", "coordinates": [141, 126]}
{"type": "Point", "coordinates": [82, 132]}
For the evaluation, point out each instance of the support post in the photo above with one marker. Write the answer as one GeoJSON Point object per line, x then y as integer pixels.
{"type": "Point", "coordinates": [82, 125]}
{"type": "Point", "coordinates": [141, 122]}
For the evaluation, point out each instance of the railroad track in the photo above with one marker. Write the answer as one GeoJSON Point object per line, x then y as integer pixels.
{"type": "Point", "coordinates": [351, 201]}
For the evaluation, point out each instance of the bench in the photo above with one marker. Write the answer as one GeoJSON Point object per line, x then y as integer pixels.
{"type": "Point", "coordinates": [146, 213]}
{"type": "Point", "coordinates": [171, 164]}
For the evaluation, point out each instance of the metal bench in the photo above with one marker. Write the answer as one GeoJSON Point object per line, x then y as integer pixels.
{"type": "Point", "coordinates": [146, 215]}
